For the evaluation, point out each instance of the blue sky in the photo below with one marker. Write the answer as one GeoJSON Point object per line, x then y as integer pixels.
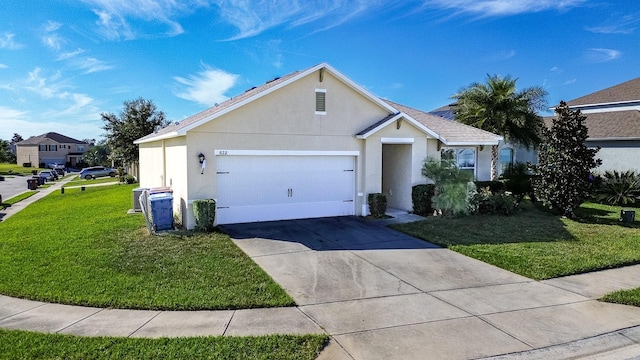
{"type": "Point", "coordinates": [64, 62]}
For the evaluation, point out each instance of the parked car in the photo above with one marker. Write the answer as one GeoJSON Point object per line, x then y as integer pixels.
{"type": "Point", "coordinates": [47, 175]}
{"type": "Point", "coordinates": [96, 171]}
{"type": "Point", "coordinates": [55, 166]}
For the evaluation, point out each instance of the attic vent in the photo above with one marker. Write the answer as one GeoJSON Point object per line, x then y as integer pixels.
{"type": "Point", "coordinates": [177, 123]}
{"type": "Point", "coordinates": [272, 80]}
{"type": "Point", "coordinates": [250, 89]}
{"type": "Point", "coordinates": [321, 96]}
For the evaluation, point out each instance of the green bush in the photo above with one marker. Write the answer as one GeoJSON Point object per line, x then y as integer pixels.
{"type": "Point", "coordinates": [487, 203]}
{"type": "Point", "coordinates": [121, 174]}
{"type": "Point", "coordinates": [619, 188]}
{"type": "Point", "coordinates": [129, 179]}
{"type": "Point", "coordinates": [377, 204]}
{"type": "Point", "coordinates": [518, 181]}
{"type": "Point", "coordinates": [205, 213]}
{"type": "Point", "coordinates": [454, 187]}
{"type": "Point", "coordinates": [495, 186]}
{"type": "Point", "coordinates": [421, 196]}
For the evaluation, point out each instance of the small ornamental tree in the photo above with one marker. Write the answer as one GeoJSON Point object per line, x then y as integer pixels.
{"type": "Point", "coordinates": [565, 163]}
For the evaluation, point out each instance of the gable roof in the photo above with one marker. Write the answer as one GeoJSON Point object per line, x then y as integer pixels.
{"type": "Point", "coordinates": [59, 138]}
{"type": "Point", "coordinates": [450, 132]}
{"type": "Point", "coordinates": [625, 92]}
{"type": "Point", "coordinates": [180, 128]}
{"type": "Point", "coordinates": [612, 125]}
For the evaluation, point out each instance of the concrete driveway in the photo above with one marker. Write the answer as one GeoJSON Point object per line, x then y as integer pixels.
{"type": "Point", "coordinates": [381, 294]}
{"type": "Point", "coordinates": [12, 186]}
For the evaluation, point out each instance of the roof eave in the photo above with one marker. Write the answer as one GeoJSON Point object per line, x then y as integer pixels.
{"type": "Point", "coordinates": [168, 135]}
{"type": "Point", "coordinates": [614, 138]}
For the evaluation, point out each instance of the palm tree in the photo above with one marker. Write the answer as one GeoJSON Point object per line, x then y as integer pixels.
{"type": "Point", "coordinates": [499, 108]}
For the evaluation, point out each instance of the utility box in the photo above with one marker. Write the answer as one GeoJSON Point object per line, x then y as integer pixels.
{"type": "Point", "coordinates": [627, 216]}
{"type": "Point", "coordinates": [160, 207]}
{"type": "Point", "coordinates": [136, 199]}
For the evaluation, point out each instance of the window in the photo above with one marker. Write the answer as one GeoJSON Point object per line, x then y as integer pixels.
{"type": "Point", "coordinates": [80, 147]}
{"type": "Point", "coordinates": [53, 147]}
{"type": "Point", "coordinates": [505, 158]}
{"type": "Point", "coordinates": [321, 96]}
{"type": "Point", "coordinates": [42, 148]}
{"type": "Point", "coordinates": [63, 146]}
{"type": "Point", "coordinates": [464, 158]}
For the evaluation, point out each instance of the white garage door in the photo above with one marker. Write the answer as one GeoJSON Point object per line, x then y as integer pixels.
{"type": "Point", "coordinates": [263, 188]}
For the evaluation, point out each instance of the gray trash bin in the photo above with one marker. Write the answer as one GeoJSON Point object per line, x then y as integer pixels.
{"type": "Point", "coordinates": [627, 216]}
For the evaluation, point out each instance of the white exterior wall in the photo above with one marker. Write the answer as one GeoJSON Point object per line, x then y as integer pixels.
{"type": "Point", "coordinates": [617, 155]}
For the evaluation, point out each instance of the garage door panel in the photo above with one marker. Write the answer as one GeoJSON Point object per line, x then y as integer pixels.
{"type": "Point", "coordinates": [263, 188]}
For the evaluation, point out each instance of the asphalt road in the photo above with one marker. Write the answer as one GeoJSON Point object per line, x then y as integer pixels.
{"type": "Point", "coordinates": [12, 186]}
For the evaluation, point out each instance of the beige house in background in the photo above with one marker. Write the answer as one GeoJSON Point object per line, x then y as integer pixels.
{"type": "Point", "coordinates": [310, 144]}
{"type": "Point", "coordinates": [50, 148]}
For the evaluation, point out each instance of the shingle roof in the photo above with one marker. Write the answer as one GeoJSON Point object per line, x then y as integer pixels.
{"type": "Point", "coordinates": [453, 132]}
{"type": "Point", "coordinates": [626, 91]}
{"type": "Point", "coordinates": [611, 125]}
{"type": "Point", "coordinates": [59, 138]}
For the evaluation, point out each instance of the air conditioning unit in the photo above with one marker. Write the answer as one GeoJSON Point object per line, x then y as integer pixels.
{"type": "Point", "coordinates": [136, 199]}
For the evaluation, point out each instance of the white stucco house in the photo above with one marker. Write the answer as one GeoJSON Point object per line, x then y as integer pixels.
{"type": "Point", "coordinates": [309, 144]}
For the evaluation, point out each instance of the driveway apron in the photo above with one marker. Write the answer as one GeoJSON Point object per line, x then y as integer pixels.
{"type": "Point", "coordinates": [382, 294]}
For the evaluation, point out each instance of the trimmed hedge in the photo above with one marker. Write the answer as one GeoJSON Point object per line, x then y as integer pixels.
{"type": "Point", "coordinates": [377, 204]}
{"type": "Point", "coordinates": [205, 213]}
{"type": "Point", "coordinates": [421, 197]}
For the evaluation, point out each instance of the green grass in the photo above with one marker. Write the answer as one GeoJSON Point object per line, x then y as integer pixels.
{"type": "Point", "coordinates": [82, 248]}
{"type": "Point", "coordinates": [17, 198]}
{"type": "Point", "coordinates": [15, 169]}
{"type": "Point", "coordinates": [627, 297]}
{"type": "Point", "coordinates": [28, 345]}
{"type": "Point", "coordinates": [537, 244]}
{"type": "Point", "coordinates": [83, 182]}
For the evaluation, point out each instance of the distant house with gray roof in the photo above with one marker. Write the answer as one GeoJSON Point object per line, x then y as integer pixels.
{"type": "Point", "coordinates": [49, 148]}
{"type": "Point", "coordinates": [613, 120]}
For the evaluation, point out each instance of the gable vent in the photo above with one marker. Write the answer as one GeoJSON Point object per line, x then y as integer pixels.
{"type": "Point", "coordinates": [321, 96]}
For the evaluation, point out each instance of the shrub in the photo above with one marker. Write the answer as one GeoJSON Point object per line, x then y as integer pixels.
{"type": "Point", "coordinates": [454, 187]}
{"type": "Point", "coordinates": [518, 181]}
{"type": "Point", "coordinates": [421, 196]}
{"type": "Point", "coordinates": [487, 203]}
{"type": "Point", "coordinates": [619, 188]}
{"type": "Point", "coordinates": [129, 179]}
{"type": "Point", "coordinates": [205, 213]}
{"type": "Point", "coordinates": [495, 186]}
{"type": "Point", "coordinates": [121, 174]}
{"type": "Point", "coordinates": [377, 204]}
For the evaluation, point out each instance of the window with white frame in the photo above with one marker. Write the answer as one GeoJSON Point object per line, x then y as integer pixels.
{"type": "Point", "coordinates": [464, 158]}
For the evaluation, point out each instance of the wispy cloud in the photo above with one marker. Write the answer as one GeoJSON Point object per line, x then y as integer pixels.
{"type": "Point", "coordinates": [501, 56]}
{"type": "Point", "coordinates": [624, 24]}
{"type": "Point", "coordinates": [92, 65]}
{"type": "Point", "coordinates": [50, 38]}
{"type": "Point", "coordinates": [3, 66]}
{"type": "Point", "coordinates": [488, 8]}
{"type": "Point", "coordinates": [569, 82]}
{"type": "Point", "coordinates": [556, 70]}
{"type": "Point", "coordinates": [69, 54]}
{"type": "Point", "coordinates": [114, 16]}
{"type": "Point", "coordinates": [7, 42]}
{"type": "Point", "coordinates": [599, 55]}
{"type": "Point", "coordinates": [207, 87]}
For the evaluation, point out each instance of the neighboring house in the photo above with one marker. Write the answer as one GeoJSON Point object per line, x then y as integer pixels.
{"type": "Point", "coordinates": [508, 153]}
{"type": "Point", "coordinates": [309, 144]}
{"type": "Point", "coordinates": [613, 120]}
{"type": "Point", "coordinates": [50, 148]}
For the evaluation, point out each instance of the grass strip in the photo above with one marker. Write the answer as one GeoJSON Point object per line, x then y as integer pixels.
{"type": "Point", "coordinates": [16, 344]}
{"type": "Point", "coordinates": [626, 297]}
{"type": "Point", "coordinates": [18, 198]}
{"type": "Point", "coordinates": [537, 244]}
{"type": "Point", "coordinates": [82, 248]}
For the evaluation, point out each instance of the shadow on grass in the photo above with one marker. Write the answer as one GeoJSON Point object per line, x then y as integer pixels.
{"type": "Point", "coordinates": [603, 215]}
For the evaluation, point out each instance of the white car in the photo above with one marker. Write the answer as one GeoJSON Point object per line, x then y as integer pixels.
{"type": "Point", "coordinates": [55, 166]}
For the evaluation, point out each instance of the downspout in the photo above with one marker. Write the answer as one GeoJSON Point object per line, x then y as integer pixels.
{"type": "Point", "coordinates": [164, 165]}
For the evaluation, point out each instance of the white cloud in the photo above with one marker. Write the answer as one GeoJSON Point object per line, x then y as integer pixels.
{"type": "Point", "coordinates": [114, 15]}
{"type": "Point", "coordinates": [26, 126]}
{"type": "Point", "coordinates": [70, 54]}
{"type": "Point", "coordinates": [556, 70]}
{"type": "Point", "coordinates": [3, 66]}
{"type": "Point", "coordinates": [501, 7]}
{"type": "Point", "coordinates": [598, 55]}
{"type": "Point", "coordinates": [501, 56]}
{"type": "Point", "coordinates": [7, 42]}
{"type": "Point", "coordinates": [625, 25]}
{"type": "Point", "coordinates": [51, 26]}
{"type": "Point", "coordinates": [53, 41]}
{"type": "Point", "coordinates": [92, 65]}
{"type": "Point", "coordinates": [569, 82]}
{"type": "Point", "coordinates": [208, 87]}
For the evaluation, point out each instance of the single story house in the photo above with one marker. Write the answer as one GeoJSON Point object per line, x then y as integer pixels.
{"type": "Point", "coordinates": [613, 122]}
{"type": "Point", "coordinates": [309, 144]}
{"type": "Point", "coordinates": [49, 148]}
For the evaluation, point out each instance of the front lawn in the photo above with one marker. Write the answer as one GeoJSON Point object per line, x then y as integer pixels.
{"type": "Point", "coordinates": [537, 244]}
{"type": "Point", "coordinates": [28, 345]}
{"type": "Point", "coordinates": [15, 169]}
{"type": "Point", "coordinates": [82, 248]}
